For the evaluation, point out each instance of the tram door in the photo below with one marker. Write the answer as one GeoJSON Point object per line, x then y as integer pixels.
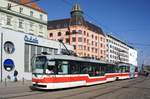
{"type": "Point", "coordinates": [132, 71]}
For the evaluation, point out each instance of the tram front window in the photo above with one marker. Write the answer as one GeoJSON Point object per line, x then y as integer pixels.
{"type": "Point", "coordinates": [50, 69]}
{"type": "Point", "coordinates": [39, 64]}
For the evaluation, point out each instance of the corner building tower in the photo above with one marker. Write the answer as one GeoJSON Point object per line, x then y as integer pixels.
{"type": "Point", "coordinates": [88, 39]}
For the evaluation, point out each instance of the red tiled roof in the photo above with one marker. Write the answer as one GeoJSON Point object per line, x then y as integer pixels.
{"type": "Point", "coordinates": [30, 4]}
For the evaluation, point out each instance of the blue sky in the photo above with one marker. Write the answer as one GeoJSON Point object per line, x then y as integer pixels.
{"type": "Point", "coordinates": [128, 20]}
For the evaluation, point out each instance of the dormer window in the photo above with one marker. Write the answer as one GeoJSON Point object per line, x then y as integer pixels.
{"type": "Point", "coordinates": [31, 13]}
{"type": "Point", "coordinates": [9, 6]}
{"type": "Point", "coordinates": [41, 17]}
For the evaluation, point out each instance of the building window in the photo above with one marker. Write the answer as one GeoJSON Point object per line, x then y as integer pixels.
{"type": "Point", "coordinates": [84, 40]}
{"type": "Point", "coordinates": [9, 18]}
{"type": "Point", "coordinates": [41, 28]}
{"type": "Point", "coordinates": [95, 37]}
{"type": "Point", "coordinates": [59, 33]}
{"type": "Point", "coordinates": [101, 51]}
{"type": "Point", "coordinates": [84, 33]}
{"type": "Point", "coordinates": [92, 49]}
{"type": "Point", "coordinates": [31, 26]}
{"type": "Point", "coordinates": [67, 40]}
{"type": "Point", "coordinates": [51, 35]}
{"type": "Point", "coordinates": [92, 42]}
{"type": "Point", "coordinates": [95, 50]}
{"type": "Point", "coordinates": [101, 39]}
{"type": "Point", "coordinates": [80, 39]}
{"type": "Point", "coordinates": [80, 47]}
{"type": "Point", "coordinates": [88, 48]}
{"type": "Point", "coordinates": [9, 6]}
{"type": "Point", "coordinates": [79, 31]}
{"type": "Point", "coordinates": [84, 47]}
{"type": "Point", "coordinates": [96, 44]}
{"type": "Point", "coordinates": [21, 10]}
{"type": "Point", "coordinates": [26, 59]}
{"type": "Point", "coordinates": [87, 34]}
{"type": "Point", "coordinates": [88, 42]}
{"type": "Point", "coordinates": [31, 13]}
{"type": "Point", "coordinates": [74, 47]}
{"type": "Point", "coordinates": [74, 32]}
{"type": "Point", "coordinates": [92, 36]}
{"type": "Point", "coordinates": [101, 45]}
{"type": "Point", "coordinates": [21, 23]}
{"type": "Point", "coordinates": [41, 17]}
{"type": "Point", "coordinates": [73, 39]}
{"type": "Point", "coordinates": [67, 32]}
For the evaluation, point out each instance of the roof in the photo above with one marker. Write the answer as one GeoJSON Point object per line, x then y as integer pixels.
{"type": "Point", "coordinates": [30, 4]}
{"type": "Point", "coordinates": [73, 58]}
{"type": "Point", "coordinates": [117, 39]}
{"type": "Point", "coordinates": [64, 23]}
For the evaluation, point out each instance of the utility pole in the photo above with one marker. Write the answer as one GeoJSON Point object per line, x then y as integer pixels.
{"type": "Point", "coordinates": [1, 57]}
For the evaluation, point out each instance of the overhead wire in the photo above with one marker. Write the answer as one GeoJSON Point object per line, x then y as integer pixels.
{"type": "Point", "coordinates": [106, 27]}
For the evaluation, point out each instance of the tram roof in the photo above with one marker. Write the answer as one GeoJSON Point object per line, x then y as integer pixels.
{"type": "Point", "coordinates": [68, 57]}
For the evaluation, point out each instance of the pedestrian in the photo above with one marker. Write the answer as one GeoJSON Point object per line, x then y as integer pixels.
{"type": "Point", "coordinates": [15, 76]}
{"type": "Point", "coordinates": [147, 74]}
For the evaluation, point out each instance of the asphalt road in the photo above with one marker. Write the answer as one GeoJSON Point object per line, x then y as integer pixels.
{"type": "Point", "coordinates": [138, 88]}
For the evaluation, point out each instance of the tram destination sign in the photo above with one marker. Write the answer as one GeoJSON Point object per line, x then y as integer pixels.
{"type": "Point", "coordinates": [31, 39]}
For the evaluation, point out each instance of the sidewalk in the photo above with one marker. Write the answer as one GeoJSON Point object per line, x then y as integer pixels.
{"type": "Point", "coordinates": [11, 88]}
{"type": "Point", "coordinates": [10, 84]}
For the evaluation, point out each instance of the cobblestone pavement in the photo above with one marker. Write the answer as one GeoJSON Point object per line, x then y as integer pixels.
{"type": "Point", "coordinates": [138, 88]}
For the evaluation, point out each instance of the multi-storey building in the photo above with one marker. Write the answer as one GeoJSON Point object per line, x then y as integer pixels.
{"type": "Point", "coordinates": [24, 16]}
{"type": "Point", "coordinates": [117, 50]}
{"type": "Point", "coordinates": [88, 39]}
{"type": "Point", "coordinates": [22, 28]}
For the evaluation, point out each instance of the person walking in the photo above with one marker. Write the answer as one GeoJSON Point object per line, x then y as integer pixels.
{"type": "Point", "coordinates": [15, 76]}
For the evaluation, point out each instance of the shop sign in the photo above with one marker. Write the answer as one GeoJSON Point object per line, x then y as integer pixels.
{"type": "Point", "coordinates": [31, 39]}
{"type": "Point", "coordinates": [9, 47]}
{"type": "Point", "coordinates": [9, 64]}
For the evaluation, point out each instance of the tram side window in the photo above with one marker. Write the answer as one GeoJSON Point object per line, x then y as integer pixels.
{"type": "Point", "coordinates": [85, 68]}
{"type": "Point", "coordinates": [110, 69]}
{"type": "Point", "coordinates": [97, 71]}
{"type": "Point", "coordinates": [122, 69]}
{"type": "Point", "coordinates": [103, 69]}
{"type": "Point", "coordinates": [136, 69]}
{"type": "Point", "coordinates": [127, 69]}
{"type": "Point", "coordinates": [74, 67]}
{"type": "Point", "coordinates": [62, 67]}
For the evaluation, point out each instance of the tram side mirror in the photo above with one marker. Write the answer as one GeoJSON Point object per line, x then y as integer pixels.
{"type": "Point", "coordinates": [51, 63]}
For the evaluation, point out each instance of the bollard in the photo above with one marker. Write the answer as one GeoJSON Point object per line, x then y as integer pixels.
{"type": "Point", "coordinates": [5, 82]}
{"type": "Point", "coordinates": [23, 80]}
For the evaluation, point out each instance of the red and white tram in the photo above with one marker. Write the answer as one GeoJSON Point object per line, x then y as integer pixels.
{"type": "Point", "coordinates": [63, 71]}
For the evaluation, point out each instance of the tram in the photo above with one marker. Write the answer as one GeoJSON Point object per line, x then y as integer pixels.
{"type": "Point", "coordinates": [64, 71]}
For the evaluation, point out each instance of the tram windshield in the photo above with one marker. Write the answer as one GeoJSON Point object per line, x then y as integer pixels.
{"type": "Point", "coordinates": [39, 64]}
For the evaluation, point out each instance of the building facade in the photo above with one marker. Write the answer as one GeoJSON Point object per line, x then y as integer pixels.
{"type": "Point", "coordinates": [88, 39]}
{"type": "Point", "coordinates": [24, 16]}
{"type": "Point", "coordinates": [117, 50]}
{"type": "Point", "coordinates": [18, 49]}
{"type": "Point", "coordinates": [23, 34]}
